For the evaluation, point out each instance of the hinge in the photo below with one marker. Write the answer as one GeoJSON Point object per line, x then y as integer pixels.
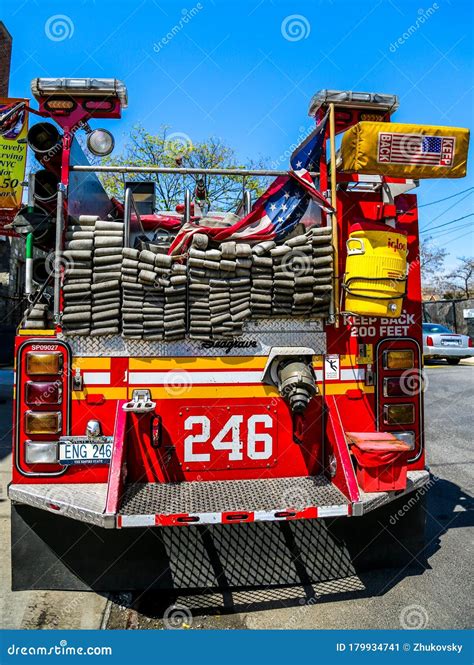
{"type": "Point", "coordinates": [140, 403]}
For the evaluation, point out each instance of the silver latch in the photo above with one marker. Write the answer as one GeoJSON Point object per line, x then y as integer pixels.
{"type": "Point", "coordinates": [369, 375]}
{"type": "Point", "coordinates": [77, 380]}
{"type": "Point", "coordinates": [141, 402]}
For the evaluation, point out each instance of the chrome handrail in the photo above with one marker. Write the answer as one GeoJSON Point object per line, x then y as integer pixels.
{"type": "Point", "coordinates": [182, 171]}
{"type": "Point", "coordinates": [129, 205]}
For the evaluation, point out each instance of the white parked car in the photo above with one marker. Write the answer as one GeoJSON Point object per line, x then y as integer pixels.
{"type": "Point", "coordinates": [441, 342]}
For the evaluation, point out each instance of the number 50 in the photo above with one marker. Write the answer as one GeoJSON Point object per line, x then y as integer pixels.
{"type": "Point", "coordinates": [235, 445]}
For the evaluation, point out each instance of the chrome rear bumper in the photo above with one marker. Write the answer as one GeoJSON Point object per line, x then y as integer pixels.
{"type": "Point", "coordinates": [214, 502]}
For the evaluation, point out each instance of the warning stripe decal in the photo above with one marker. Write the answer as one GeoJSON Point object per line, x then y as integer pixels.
{"type": "Point", "coordinates": [202, 377]}
{"type": "Point", "coordinates": [234, 517]}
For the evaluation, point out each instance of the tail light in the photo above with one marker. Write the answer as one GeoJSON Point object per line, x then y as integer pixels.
{"type": "Point", "coordinates": [407, 437]}
{"type": "Point", "coordinates": [42, 406]}
{"type": "Point", "coordinates": [41, 452]}
{"type": "Point", "coordinates": [393, 387]}
{"type": "Point", "coordinates": [403, 359]}
{"type": "Point", "coordinates": [471, 343]}
{"type": "Point", "coordinates": [399, 414]}
{"type": "Point", "coordinates": [44, 363]}
{"type": "Point", "coordinates": [42, 422]}
{"type": "Point", "coordinates": [429, 341]}
{"type": "Point", "coordinates": [43, 392]}
{"type": "Point", "coordinates": [400, 384]}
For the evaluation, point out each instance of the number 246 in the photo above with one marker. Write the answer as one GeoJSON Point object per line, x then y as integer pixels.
{"type": "Point", "coordinates": [235, 445]}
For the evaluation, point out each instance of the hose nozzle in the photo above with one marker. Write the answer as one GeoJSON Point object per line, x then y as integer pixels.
{"type": "Point", "coordinates": [296, 383]}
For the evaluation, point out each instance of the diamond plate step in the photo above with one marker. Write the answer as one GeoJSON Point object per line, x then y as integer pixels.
{"type": "Point", "coordinates": [214, 502]}
{"type": "Point", "coordinates": [80, 501]}
{"type": "Point", "coordinates": [230, 501]}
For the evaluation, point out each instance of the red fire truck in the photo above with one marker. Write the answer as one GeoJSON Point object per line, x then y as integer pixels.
{"type": "Point", "coordinates": [178, 424]}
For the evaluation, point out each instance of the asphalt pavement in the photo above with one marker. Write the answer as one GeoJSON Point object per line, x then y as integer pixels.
{"type": "Point", "coordinates": [432, 591]}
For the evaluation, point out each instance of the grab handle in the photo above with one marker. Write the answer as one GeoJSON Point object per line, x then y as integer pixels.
{"type": "Point", "coordinates": [358, 249]}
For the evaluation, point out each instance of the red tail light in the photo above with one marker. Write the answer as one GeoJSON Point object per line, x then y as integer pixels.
{"type": "Point", "coordinates": [42, 406]}
{"type": "Point", "coordinates": [44, 392]}
{"type": "Point", "coordinates": [429, 341]}
{"type": "Point", "coordinates": [470, 343]}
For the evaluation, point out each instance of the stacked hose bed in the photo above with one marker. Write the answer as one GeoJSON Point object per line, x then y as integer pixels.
{"type": "Point", "coordinates": [219, 288]}
{"type": "Point", "coordinates": [37, 317]}
{"type": "Point", "coordinates": [154, 294]}
{"type": "Point", "coordinates": [147, 294]}
{"type": "Point", "coordinates": [293, 278]}
{"type": "Point", "coordinates": [92, 277]}
{"type": "Point", "coordinates": [107, 272]}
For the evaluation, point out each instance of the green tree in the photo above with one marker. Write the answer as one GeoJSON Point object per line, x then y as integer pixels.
{"type": "Point", "coordinates": [170, 149]}
{"type": "Point", "coordinates": [461, 280]}
{"type": "Point", "coordinates": [432, 260]}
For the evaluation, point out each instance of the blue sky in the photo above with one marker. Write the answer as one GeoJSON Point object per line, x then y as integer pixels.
{"type": "Point", "coordinates": [245, 70]}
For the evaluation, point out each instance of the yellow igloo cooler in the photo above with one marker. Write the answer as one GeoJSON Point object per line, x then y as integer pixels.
{"type": "Point", "coordinates": [376, 270]}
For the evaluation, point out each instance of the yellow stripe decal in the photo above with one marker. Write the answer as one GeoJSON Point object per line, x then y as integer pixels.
{"type": "Point", "coordinates": [92, 363]}
{"type": "Point", "coordinates": [108, 393]}
{"type": "Point", "coordinates": [37, 333]}
{"type": "Point", "coordinates": [229, 391]}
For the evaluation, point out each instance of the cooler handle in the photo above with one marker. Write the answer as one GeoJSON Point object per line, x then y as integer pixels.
{"type": "Point", "coordinates": [358, 249]}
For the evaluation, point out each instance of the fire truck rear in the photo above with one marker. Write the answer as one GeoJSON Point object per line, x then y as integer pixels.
{"type": "Point", "coordinates": [181, 416]}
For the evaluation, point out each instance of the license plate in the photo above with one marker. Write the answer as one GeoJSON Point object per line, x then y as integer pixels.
{"type": "Point", "coordinates": [453, 342]}
{"type": "Point", "coordinates": [81, 450]}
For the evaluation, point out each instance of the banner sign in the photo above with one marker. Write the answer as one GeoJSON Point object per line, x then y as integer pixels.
{"type": "Point", "coordinates": [206, 647]}
{"type": "Point", "coordinates": [13, 149]}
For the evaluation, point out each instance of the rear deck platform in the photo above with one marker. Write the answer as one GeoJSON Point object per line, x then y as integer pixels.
{"type": "Point", "coordinates": [210, 502]}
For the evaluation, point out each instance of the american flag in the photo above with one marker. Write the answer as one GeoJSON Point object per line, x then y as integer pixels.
{"type": "Point", "coordinates": [397, 148]}
{"type": "Point", "coordinates": [280, 208]}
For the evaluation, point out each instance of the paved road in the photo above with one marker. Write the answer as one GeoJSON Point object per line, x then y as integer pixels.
{"type": "Point", "coordinates": [436, 593]}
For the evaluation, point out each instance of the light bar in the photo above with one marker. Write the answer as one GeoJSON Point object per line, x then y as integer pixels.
{"type": "Point", "coordinates": [79, 87]}
{"type": "Point", "coordinates": [350, 99]}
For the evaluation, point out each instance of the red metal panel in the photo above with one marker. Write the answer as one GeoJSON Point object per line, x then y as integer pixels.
{"type": "Point", "coordinates": [203, 456]}
{"type": "Point", "coordinates": [344, 478]}
{"type": "Point", "coordinates": [117, 468]}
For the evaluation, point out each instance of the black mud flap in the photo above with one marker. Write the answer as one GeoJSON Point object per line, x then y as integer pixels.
{"type": "Point", "coordinates": [54, 552]}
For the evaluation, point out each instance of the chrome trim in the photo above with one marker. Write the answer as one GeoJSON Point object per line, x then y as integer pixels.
{"type": "Point", "coordinates": [57, 254]}
{"type": "Point", "coordinates": [422, 406]}
{"type": "Point", "coordinates": [182, 171]}
{"type": "Point", "coordinates": [40, 340]}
